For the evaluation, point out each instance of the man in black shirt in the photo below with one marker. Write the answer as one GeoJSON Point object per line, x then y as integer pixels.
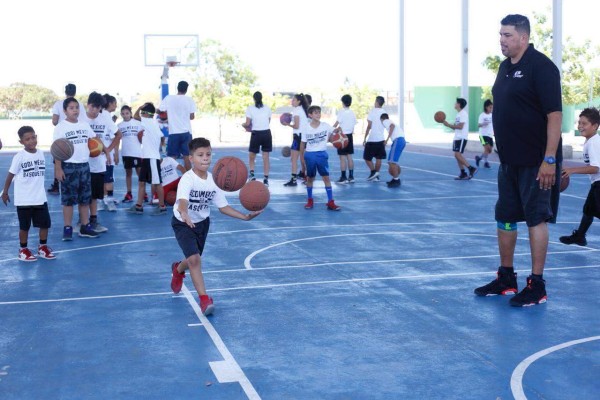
{"type": "Point", "coordinates": [527, 122]}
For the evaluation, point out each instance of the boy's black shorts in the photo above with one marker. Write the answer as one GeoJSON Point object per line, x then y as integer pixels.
{"type": "Point", "coordinates": [190, 240]}
{"type": "Point", "coordinates": [521, 199]}
{"type": "Point", "coordinates": [97, 185]}
{"type": "Point", "coordinates": [38, 215]}
{"type": "Point", "coordinates": [132, 162]}
{"type": "Point", "coordinates": [261, 139]}
{"type": "Point", "coordinates": [374, 150]}
{"type": "Point", "coordinates": [592, 202]}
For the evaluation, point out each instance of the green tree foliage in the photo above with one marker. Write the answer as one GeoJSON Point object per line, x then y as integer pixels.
{"type": "Point", "coordinates": [20, 97]}
{"type": "Point", "coordinates": [576, 75]}
{"type": "Point", "coordinates": [363, 98]}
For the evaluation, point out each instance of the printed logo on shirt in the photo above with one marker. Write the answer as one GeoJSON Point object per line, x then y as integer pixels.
{"type": "Point", "coordinates": [77, 137]}
{"type": "Point", "coordinates": [518, 74]}
{"type": "Point", "coordinates": [34, 168]}
{"type": "Point", "coordinates": [199, 199]}
{"type": "Point", "coordinates": [314, 138]}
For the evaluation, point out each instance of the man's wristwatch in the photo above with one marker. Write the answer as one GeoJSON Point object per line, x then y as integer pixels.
{"type": "Point", "coordinates": [550, 160]}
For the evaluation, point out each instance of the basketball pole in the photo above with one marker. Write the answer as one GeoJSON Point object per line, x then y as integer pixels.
{"type": "Point", "coordinates": [464, 92]}
{"type": "Point", "coordinates": [401, 66]}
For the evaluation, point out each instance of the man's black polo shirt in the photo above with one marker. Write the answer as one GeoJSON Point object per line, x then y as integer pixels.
{"type": "Point", "coordinates": [524, 94]}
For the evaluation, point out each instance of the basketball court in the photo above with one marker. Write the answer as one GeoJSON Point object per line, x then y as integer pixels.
{"type": "Point", "coordinates": [373, 302]}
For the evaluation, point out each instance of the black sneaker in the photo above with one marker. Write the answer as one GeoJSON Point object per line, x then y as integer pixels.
{"type": "Point", "coordinates": [394, 183]}
{"type": "Point", "coordinates": [575, 238]}
{"type": "Point", "coordinates": [505, 283]}
{"type": "Point", "coordinates": [291, 182]}
{"type": "Point", "coordinates": [472, 172]}
{"type": "Point", "coordinates": [88, 231]}
{"type": "Point", "coordinates": [462, 177]}
{"type": "Point", "coordinates": [534, 293]}
{"type": "Point", "coordinates": [486, 165]}
{"type": "Point", "coordinates": [477, 161]}
{"type": "Point", "coordinates": [266, 182]}
{"type": "Point", "coordinates": [301, 175]}
{"type": "Point", "coordinates": [342, 180]}
{"type": "Point", "coordinates": [251, 178]}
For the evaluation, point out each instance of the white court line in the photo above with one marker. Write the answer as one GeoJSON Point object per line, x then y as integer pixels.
{"type": "Point", "coordinates": [229, 367]}
{"type": "Point", "coordinates": [516, 380]}
{"type": "Point", "coordinates": [307, 283]}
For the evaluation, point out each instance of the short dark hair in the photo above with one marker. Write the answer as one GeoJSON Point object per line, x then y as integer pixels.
{"type": "Point", "coordinates": [197, 143]}
{"type": "Point", "coordinates": [96, 99]}
{"type": "Point", "coordinates": [347, 100]}
{"type": "Point", "coordinates": [462, 102]}
{"type": "Point", "coordinates": [68, 101]}
{"type": "Point", "coordinates": [592, 114]}
{"type": "Point", "coordinates": [182, 87]}
{"type": "Point", "coordinates": [308, 99]}
{"type": "Point", "coordinates": [384, 116]}
{"type": "Point", "coordinates": [380, 100]}
{"type": "Point", "coordinates": [70, 90]}
{"type": "Point", "coordinates": [148, 108]}
{"type": "Point", "coordinates": [312, 109]}
{"type": "Point", "coordinates": [126, 107]}
{"type": "Point", "coordinates": [486, 104]}
{"type": "Point", "coordinates": [23, 130]}
{"type": "Point", "coordinates": [520, 22]}
{"type": "Point", "coordinates": [109, 99]}
{"type": "Point", "coordinates": [257, 96]}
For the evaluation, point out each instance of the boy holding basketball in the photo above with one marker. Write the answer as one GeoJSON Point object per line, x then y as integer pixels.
{"type": "Point", "coordinates": [588, 123]}
{"type": "Point", "coordinates": [346, 119]}
{"type": "Point", "coordinates": [461, 136]}
{"type": "Point", "coordinates": [314, 148]}
{"type": "Point", "coordinates": [28, 168]}
{"type": "Point", "coordinates": [131, 149]}
{"type": "Point", "coordinates": [190, 222]}
{"type": "Point", "coordinates": [398, 143]}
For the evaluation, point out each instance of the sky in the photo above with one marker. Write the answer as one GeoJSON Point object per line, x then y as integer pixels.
{"type": "Point", "coordinates": [291, 45]}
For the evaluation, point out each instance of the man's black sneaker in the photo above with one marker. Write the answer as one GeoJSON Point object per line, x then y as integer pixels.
{"type": "Point", "coordinates": [534, 293]}
{"type": "Point", "coordinates": [575, 238]}
{"type": "Point", "coordinates": [394, 183]}
{"type": "Point", "coordinates": [291, 182]}
{"type": "Point", "coordinates": [342, 180]}
{"type": "Point", "coordinates": [477, 161]}
{"type": "Point", "coordinates": [472, 171]}
{"type": "Point", "coordinates": [505, 283]}
{"type": "Point", "coordinates": [462, 177]}
{"type": "Point", "coordinates": [486, 165]}
{"type": "Point", "coordinates": [301, 175]}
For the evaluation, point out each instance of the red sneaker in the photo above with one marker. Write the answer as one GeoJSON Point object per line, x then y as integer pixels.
{"type": "Point", "coordinates": [206, 304]}
{"type": "Point", "coordinates": [177, 278]}
{"type": "Point", "coordinates": [309, 204]}
{"type": "Point", "coordinates": [128, 198]}
{"type": "Point", "coordinates": [332, 206]}
{"type": "Point", "coordinates": [26, 255]}
{"type": "Point", "coordinates": [45, 252]}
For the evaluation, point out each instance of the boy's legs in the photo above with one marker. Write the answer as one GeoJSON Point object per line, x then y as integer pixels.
{"type": "Point", "coordinates": [251, 163]}
{"type": "Point", "coordinates": [194, 264]}
{"type": "Point", "coordinates": [160, 193]}
{"type": "Point", "coordinates": [266, 164]}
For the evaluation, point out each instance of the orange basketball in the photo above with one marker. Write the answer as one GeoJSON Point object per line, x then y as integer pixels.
{"type": "Point", "coordinates": [95, 145]}
{"type": "Point", "coordinates": [171, 197]}
{"type": "Point", "coordinates": [564, 183]}
{"type": "Point", "coordinates": [230, 174]}
{"type": "Point", "coordinates": [254, 196]}
{"type": "Point", "coordinates": [62, 149]}
{"type": "Point", "coordinates": [339, 140]}
{"type": "Point", "coordinates": [439, 117]}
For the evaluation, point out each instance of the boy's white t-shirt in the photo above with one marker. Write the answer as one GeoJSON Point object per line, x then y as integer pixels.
{"type": "Point", "coordinates": [299, 111]}
{"type": "Point", "coordinates": [168, 170]}
{"type": "Point", "coordinates": [398, 132]}
{"type": "Point", "coordinates": [591, 155]}
{"type": "Point", "coordinates": [57, 109]}
{"type": "Point", "coordinates": [151, 138]}
{"type": "Point", "coordinates": [487, 130]}
{"type": "Point", "coordinates": [347, 120]}
{"type": "Point", "coordinates": [463, 133]}
{"type": "Point", "coordinates": [316, 138]}
{"type": "Point", "coordinates": [130, 145]}
{"type": "Point", "coordinates": [29, 170]}
{"type": "Point", "coordinates": [78, 134]}
{"type": "Point", "coordinates": [199, 193]}
{"type": "Point", "coordinates": [377, 132]}
{"type": "Point", "coordinates": [105, 129]}
{"type": "Point", "coordinates": [178, 108]}
{"type": "Point", "coordinates": [260, 117]}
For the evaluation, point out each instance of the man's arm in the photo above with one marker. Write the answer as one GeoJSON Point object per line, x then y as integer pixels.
{"type": "Point", "coordinates": [547, 172]}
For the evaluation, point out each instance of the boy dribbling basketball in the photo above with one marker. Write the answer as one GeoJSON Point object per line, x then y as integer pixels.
{"type": "Point", "coordinates": [191, 221]}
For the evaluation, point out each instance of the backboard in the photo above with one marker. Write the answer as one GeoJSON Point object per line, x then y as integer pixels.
{"type": "Point", "coordinates": [158, 49]}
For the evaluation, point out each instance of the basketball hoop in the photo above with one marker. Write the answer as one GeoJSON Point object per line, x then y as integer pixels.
{"type": "Point", "coordinates": [172, 61]}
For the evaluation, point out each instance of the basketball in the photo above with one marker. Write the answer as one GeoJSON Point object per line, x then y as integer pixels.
{"type": "Point", "coordinates": [254, 196]}
{"type": "Point", "coordinates": [62, 149]}
{"type": "Point", "coordinates": [286, 151]}
{"type": "Point", "coordinates": [171, 197]}
{"type": "Point", "coordinates": [230, 174]}
{"type": "Point", "coordinates": [95, 145]}
{"type": "Point", "coordinates": [339, 140]}
{"type": "Point", "coordinates": [162, 116]}
{"type": "Point", "coordinates": [564, 183]}
{"type": "Point", "coordinates": [285, 118]}
{"type": "Point", "coordinates": [249, 127]}
{"type": "Point", "coordinates": [439, 117]}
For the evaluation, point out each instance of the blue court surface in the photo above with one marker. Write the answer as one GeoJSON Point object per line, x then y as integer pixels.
{"type": "Point", "coordinates": [373, 302]}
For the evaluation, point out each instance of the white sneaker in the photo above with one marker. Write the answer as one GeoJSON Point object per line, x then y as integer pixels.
{"type": "Point", "coordinates": [96, 227]}
{"type": "Point", "coordinates": [110, 205]}
{"type": "Point", "coordinates": [373, 177]}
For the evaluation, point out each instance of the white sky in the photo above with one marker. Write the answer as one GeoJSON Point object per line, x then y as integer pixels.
{"type": "Point", "coordinates": [295, 46]}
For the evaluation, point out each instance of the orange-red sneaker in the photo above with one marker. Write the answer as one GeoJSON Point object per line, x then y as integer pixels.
{"type": "Point", "coordinates": [309, 204]}
{"type": "Point", "coordinates": [206, 304]}
{"type": "Point", "coordinates": [332, 206]}
{"type": "Point", "coordinates": [45, 252]}
{"type": "Point", "coordinates": [177, 278]}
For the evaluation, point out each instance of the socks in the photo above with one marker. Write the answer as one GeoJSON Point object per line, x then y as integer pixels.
{"type": "Point", "coordinates": [343, 174]}
{"type": "Point", "coordinates": [329, 191]}
{"type": "Point", "coordinates": [351, 173]}
{"type": "Point", "coordinates": [93, 219]}
{"type": "Point", "coordinates": [23, 245]}
{"type": "Point", "coordinates": [309, 191]}
{"type": "Point", "coordinates": [42, 242]}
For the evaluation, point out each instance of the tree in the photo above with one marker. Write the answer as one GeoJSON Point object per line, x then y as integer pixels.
{"type": "Point", "coordinates": [576, 78]}
{"type": "Point", "coordinates": [19, 97]}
